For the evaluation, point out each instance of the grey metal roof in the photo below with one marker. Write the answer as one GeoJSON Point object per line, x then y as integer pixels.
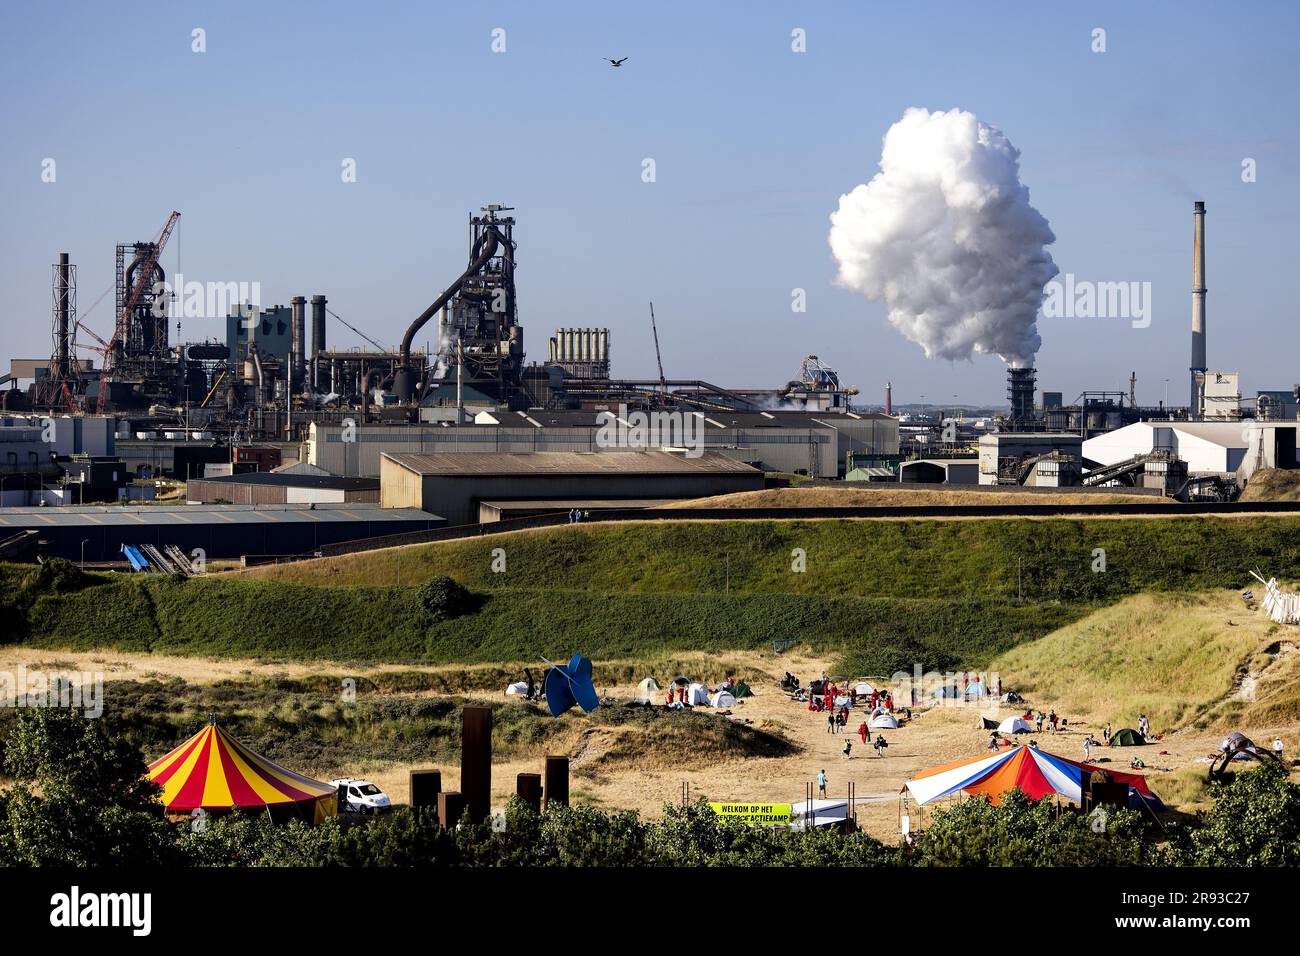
{"type": "Point", "coordinates": [290, 480]}
{"type": "Point", "coordinates": [90, 516]}
{"type": "Point", "coordinates": [569, 463]}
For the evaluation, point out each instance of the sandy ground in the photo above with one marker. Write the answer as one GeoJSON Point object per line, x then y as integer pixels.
{"type": "Point", "coordinates": [935, 735]}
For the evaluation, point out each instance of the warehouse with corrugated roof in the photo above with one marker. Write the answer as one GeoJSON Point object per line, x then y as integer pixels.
{"type": "Point", "coordinates": [453, 484]}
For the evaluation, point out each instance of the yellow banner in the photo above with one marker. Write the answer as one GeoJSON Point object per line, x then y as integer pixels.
{"type": "Point", "coordinates": [758, 813]}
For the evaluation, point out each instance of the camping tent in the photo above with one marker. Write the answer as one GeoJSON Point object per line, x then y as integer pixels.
{"type": "Point", "coordinates": [697, 695]}
{"type": "Point", "coordinates": [977, 689]}
{"type": "Point", "coordinates": [988, 723]}
{"type": "Point", "coordinates": [1128, 737]}
{"type": "Point", "coordinates": [646, 688]}
{"type": "Point", "coordinates": [863, 689]}
{"type": "Point", "coordinates": [722, 698]}
{"type": "Point", "coordinates": [1015, 725]}
{"type": "Point", "coordinates": [214, 772]}
{"type": "Point", "coordinates": [884, 722]}
{"type": "Point", "coordinates": [517, 689]}
{"type": "Point", "coordinates": [742, 689]}
{"type": "Point", "coordinates": [947, 690]}
{"type": "Point", "coordinates": [1037, 773]}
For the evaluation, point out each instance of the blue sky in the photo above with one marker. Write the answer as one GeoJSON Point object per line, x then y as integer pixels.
{"type": "Point", "coordinates": [753, 146]}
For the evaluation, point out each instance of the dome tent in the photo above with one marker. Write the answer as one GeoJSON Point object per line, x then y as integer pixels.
{"type": "Point", "coordinates": [697, 695]}
{"type": "Point", "coordinates": [647, 688]}
{"type": "Point", "coordinates": [884, 722]}
{"type": "Point", "coordinates": [722, 699]}
{"type": "Point", "coordinates": [1128, 737]}
{"type": "Point", "coordinates": [216, 773]}
{"type": "Point", "coordinates": [1015, 725]}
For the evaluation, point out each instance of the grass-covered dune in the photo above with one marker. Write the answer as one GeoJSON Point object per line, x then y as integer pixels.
{"type": "Point", "coordinates": [881, 595]}
{"type": "Point", "coordinates": [953, 559]}
{"type": "Point", "coordinates": [1186, 660]}
{"type": "Point", "coordinates": [231, 618]}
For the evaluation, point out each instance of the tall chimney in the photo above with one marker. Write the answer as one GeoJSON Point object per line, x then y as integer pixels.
{"type": "Point", "coordinates": [317, 329]}
{"type": "Point", "coordinates": [889, 398]}
{"type": "Point", "coordinates": [1197, 406]}
{"type": "Point", "coordinates": [63, 349]}
{"type": "Point", "coordinates": [298, 332]}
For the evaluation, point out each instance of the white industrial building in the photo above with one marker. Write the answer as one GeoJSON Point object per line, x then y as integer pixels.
{"type": "Point", "coordinates": [1205, 447]}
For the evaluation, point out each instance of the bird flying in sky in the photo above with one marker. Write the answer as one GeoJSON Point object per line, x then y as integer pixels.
{"type": "Point", "coordinates": [616, 63]}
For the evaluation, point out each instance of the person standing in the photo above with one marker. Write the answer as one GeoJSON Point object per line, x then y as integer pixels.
{"type": "Point", "coordinates": [821, 783]}
{"type": "Point", "coordinates": [848, 748]}
{"type": "Point", "coordinates": [830, 723]}
{"type": "Point", "coordinates": [862, 732]}
{"type": "Point", "coordinates": [1105, 734]}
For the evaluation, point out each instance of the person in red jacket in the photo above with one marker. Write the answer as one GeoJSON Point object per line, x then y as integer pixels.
{"type": "Point", "coordinates": [863, 732]}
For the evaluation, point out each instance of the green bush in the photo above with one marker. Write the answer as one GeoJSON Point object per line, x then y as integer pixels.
{"type": "Point", "coordinates": [443, 599]}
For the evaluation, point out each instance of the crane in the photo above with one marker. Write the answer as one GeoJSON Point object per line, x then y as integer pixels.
{"type": "Point", "coordinates": [124, 320]}
{"type": "Point", "coordinates": [663, 386]}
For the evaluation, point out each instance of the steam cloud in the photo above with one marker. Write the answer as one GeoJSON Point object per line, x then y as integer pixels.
{"type": "Point", "coordinates": [944, 235]}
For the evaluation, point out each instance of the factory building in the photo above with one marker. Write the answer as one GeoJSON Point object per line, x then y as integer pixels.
{"type": "Point", "coordinates": [940, 471]}
{"type": "Point", "coordinates": [817, 445]}
{"type": "Point", "coordinates": [1013, 458]}
{"type": "Point", "coordinates": [1204, 448]}
{"type": "Point", "coordinates": [280, 488]}
{"type": "Point", "coordinates": [454, 485]}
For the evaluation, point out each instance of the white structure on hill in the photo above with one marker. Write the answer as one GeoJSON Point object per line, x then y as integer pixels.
{"type": "Point", "coordinates": [1206, 447]}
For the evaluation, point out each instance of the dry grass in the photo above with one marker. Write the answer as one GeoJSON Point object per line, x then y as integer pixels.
{"type": "Point", "coordinates": [1179, 658]}
{"type": "Point", "coordinates": [1272, 484]}
{"type": "Point", "coordinates": [885, 496]}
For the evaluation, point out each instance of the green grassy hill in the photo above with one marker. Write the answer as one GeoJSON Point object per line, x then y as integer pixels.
{"type": "Point", "coordinates": [920, 559]}
{"type": "Point", "coordinates": [882, 595]}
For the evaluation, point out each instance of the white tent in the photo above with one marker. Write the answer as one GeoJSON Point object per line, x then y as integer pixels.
{"type": "Point", "coordinates": [884, 722]}
{"type": "Point", "coordinates": [977, 689]}
{"type": "Point", "coordinates": [647, 688]}
{"type": "Point", "coordinates": [722, 699]}
{"type": "Point", "coordinates": [517, 689]}
{"type": "Point", "coordinates": [843, 701]}
{"type": "Point", "coordinates": [697, 695]}
{"type": "Point", "coordinates": [1015, 725]}
{"type": "Point", "coordinates": [863, 689]}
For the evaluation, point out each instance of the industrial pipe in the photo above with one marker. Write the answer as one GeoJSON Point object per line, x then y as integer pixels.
{"type": "Point", "coordinates": [485, 249]}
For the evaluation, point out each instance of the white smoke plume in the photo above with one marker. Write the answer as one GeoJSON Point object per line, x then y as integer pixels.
{"type": "Point", "coordinates": [944, 235]}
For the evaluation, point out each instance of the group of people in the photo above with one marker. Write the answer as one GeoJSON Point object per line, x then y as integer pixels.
{"type": "Point", "coordinates": [1049, 719]}
{"type": "Point", "coordinates": [837, 717]}
{"type": "Point", "coordinates": [969, 677]}
{"type": "Point", "coordinates": [576, 515]}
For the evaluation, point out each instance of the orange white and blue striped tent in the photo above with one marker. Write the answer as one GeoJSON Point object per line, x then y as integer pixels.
{"type": "Point", "coordinates": [214, 772]}
{"type": "Point", "coordinates": [1035, 772]}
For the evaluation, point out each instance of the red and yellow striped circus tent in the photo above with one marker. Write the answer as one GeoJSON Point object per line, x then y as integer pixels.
{"type": "Point", "coordinates": [214, 772]}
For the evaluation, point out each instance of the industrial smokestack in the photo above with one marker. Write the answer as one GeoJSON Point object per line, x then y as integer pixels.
{"type": "Point", "coordinates": [889, 398]}
{"type": "Point", "coordinates": [1197, 406]}
{"type": "Point", "coordinates": [317, 331]}
{"type": "Point", "coordinates": [298, 333]}
{"type": "Point", "coordinates": [317, 323]}
{"type": "Point", "coordinates": [63, 349]}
